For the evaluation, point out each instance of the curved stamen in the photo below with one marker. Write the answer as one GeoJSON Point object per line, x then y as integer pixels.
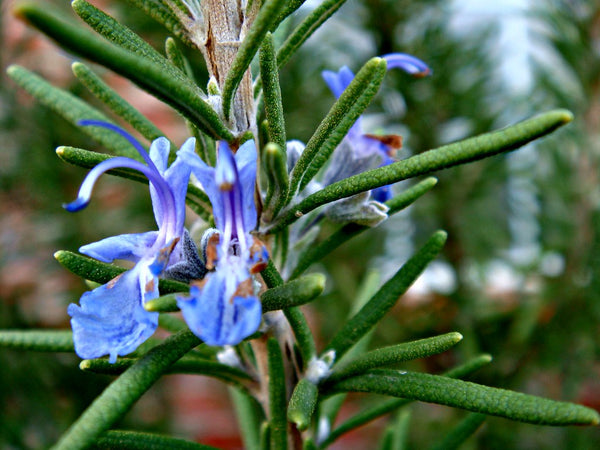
{"type": "Point", "coordinates": [133, 141]}
{"type": "Point", "coordinates": [408, 63]}
{"type": "Point", "coordinates": [165, 194]}
{"type": "Point", "coordinates": [85, 191]}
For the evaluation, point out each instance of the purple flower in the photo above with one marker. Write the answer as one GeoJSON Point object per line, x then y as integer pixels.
{"type": "Point", "coordinates": [224, 308]}
{"type": "Point", "coordinates": [111, 319]}
{"type": "Point", "coordinates": [359, 152]}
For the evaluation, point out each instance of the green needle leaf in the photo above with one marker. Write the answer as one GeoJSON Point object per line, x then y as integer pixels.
{"type": "Point", "coordinates": [340, 118]}
{"type": "Point", "coordinates": [469, 367]}
{"type": "Point", "coordinates": [122, 393]}
{"type": "Point", "coordinates": [470, 396]}
{"type": "Point", "coordinates": [185, 97]}
{"type": "Point", "coordinates": [265, 18]}
{"type": "Point", "coordinates": [396, 353]}
{"type": "Point", "coordinates": [102, 273]}
{"type": "Point", "coordinates": [71, 108]}
{"type": "Point", "coordinates": [395, 436]}
{"type": "Point", "coordinates": [134, 440]}
{"type": "Point", "coordinates": [265, 436]}
{"type": "Point", "coordinates": [302, 404]}
{"type": "Point", "coordinates": [196, 197]}
{"type": "Point", "coordinates": [116, 103]}
{"type": "Point", "coordinates": [272, 93]}
{"type": "Point", "coordinates": [249, 416]}
{"type": "Point", "coordinates": [459, 434]}
{"type": "Point", "coordinates": [38, 341]}
{"type": "Point", "coordinates": [315, 253]}
{"type": "Point", "coordinates": [159, 11]}
{"type": "Point", "coordinates": [274, 161]}
{"type": "Point", "coordinates": [205, 149]}
{"type": "Point", "coordinates": [388, 406]}
{"type": "Point", "coordinates": [277, 396]}
{"type": "Point", "coordinates": [292, 5]}
{"type": "Point", "coordinates": [187, 364]}
{"type": "Point", "coordinates": [122, 36]}
{"type": "Point", "coordinates": [308, 26]}
{"type": "Point", "coordinates": [294, 293]}
{"type": "Point", "coordinates": [166, 303]}
{"type": "Point", "coordinates": [386, 297]}
{"type": "Point", "coordinates": [462, 152]}
{"type": "Point", "coordinates": [294, 316]}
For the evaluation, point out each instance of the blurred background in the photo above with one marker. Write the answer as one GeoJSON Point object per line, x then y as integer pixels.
{"type": "Point", "coordinates": [518, 276]}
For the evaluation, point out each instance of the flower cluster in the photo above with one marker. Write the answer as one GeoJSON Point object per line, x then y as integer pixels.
{"type": "Point", "coordinates": [359, 152]}
{"type": "Point", "coordinates": [223, 306]}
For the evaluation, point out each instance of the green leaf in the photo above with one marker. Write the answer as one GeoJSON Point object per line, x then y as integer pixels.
{"type": "Point", "coordinates": [188, 364]}
{"type": "Point", "coordinates": [165, 303]}
{"type": "Point", "coordinates": [294, 293]}
{"type": "Point", "coordinates": [302, 332]}
{"type": "Point", "coordinates": [122, 393]}
{"type": "Point", "coordinates": [159, 11]}
{"type": "Point", "coordinates": [271, 275]}
{"type": "Point", "coordinates": [316, 252]}
{"type": "Point", "coordinates": [396, 353]}
{"type": "Point", "coordinates": [265, 436]}
{"type": "Point", "coordinates": [274, 161]}
{"type": "Point", "coordinates": [386, 297]}
{"type": "Point", "coordinates": [459, 434]}
{"type": "Point", "coordinates": [197, 199]}
{"type": "Point", "coordinates": [277, 395]}
{"type": "Point", "coordinates": [313, 21]}
{"type": "Point", "coordinates": [340, 118]}
{"type": "Point", "coordinates": [122, 36]}
{"type": "Point", "coordinates": [294, 316]}
{"type": "Point", "coordinates": [204, 146]}
{"type": "Point", "coordinates": [265, 18]}
{"type": "Point", "coordinates": [116, 103]}
{"type": "Point", "coordinates": [291, 6]}
{"type": "Point", "coordinates": [272, 93]}
{"type": "Point", "coordinates": [171, 323]}
{"type": "Point", "coordinates": [38, 341]}
{"type": "Point", "coordinates": [70, 108]}
{"type": "Point", "coordinates": [102, 273]}
{"type": "Point", "coordinates": [185, 97]}
{"type": "Point", "coordinates": [470, 396]}
{"type": "Point", "coordinates": [249, 415]}
{"type": "Point", "coordinates": [450, 155]}
{"type": "Point", "coordinates": [396, 433]}
{"type": "Point", "coordinates": [133, 440]}
{"type": "Point", "coordinates": [302, 404]}
{"type": "Point", "coordinates": [388, 406]}
{"type": "Point", "coordinates": [469, 367]}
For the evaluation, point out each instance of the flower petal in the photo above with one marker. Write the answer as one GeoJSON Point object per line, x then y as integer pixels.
{"type": "Point", "coordinates": [338, 81]}
{"type": "Point", "coordinates": [206, 177]}
{"type": "Point", "coordinates": [217, 317]}
{"type": "Point", "coordinates": [159, 154]}
{"type": "Point", "coordinates": [178, 177]}
{"type": "Point", "coordinates": [111, 319]}
{"type": "Point", "coordinates": [245, 159]}
{"type": "Point", "coordinates": [131, 247]}
{"type": "Point", "coordinates": [408, 63]}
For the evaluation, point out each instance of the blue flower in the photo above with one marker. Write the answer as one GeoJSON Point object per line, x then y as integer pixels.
{"type": "Point", "coordinates": [359, 152]}
{"type": "Point", "coordinates": [224, 308]}
{"type": "Point", "coordinates": [111, 319]}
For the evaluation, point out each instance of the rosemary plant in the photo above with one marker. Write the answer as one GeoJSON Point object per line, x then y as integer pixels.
{"type": "Point", "coordinates": [261, 199]}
